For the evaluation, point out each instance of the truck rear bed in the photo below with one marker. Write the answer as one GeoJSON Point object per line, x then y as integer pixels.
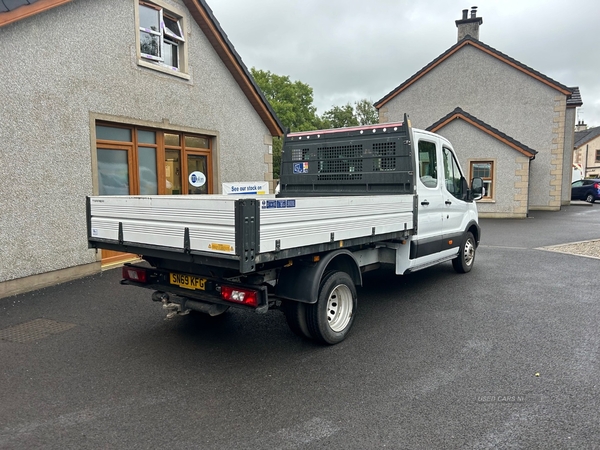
{"type": "Point", "coordinates": [242, 232]}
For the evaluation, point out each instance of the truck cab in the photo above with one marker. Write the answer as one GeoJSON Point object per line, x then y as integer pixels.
{"type": "Point", "coordinates": [446, 211]}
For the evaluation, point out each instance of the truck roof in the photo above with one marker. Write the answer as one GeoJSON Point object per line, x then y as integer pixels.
{"type": "Point", "coordinates": [380, 126]}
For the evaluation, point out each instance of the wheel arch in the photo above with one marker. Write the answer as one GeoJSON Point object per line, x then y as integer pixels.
{"type": "Point", "coordinates": [301, 282]}
{"type": "Point", "coordinates": [475, 229]}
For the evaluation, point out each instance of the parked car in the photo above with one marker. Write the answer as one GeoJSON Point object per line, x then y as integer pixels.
{"type": "Point", "coordinates": [588, 190]}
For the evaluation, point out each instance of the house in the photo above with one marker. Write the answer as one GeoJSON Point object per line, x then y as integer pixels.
{"type": "Point", "coordinates": [511, 125]}
{"type": "Point", "coordinates": [114, 97]}
{"type": "Point", "coordinates": [587, 150]}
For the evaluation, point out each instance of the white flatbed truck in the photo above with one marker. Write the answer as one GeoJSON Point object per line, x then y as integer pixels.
{"type": "Point", "coordinates": [351, 200]}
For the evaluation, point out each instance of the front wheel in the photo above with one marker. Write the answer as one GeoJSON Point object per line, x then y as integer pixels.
{"type": "Point", "coordinates": [463, 263]}
{"type": "Point", "coordinates": [330, 319]}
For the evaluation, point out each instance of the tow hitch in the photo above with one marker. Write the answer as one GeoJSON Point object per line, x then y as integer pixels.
{"type": "Point", "coordinates": [174, 309]}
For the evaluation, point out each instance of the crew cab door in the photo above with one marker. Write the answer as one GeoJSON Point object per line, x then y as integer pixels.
{"type": "Point", "coordinates": [428, 240]}
{"type": "Point", "coordinates": [454, 193]}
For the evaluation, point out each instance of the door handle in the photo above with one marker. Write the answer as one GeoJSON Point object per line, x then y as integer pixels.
{"type": "Point", "coordinates": [448, 202]}
{"type": "Point", "coordinates": [425, 203]}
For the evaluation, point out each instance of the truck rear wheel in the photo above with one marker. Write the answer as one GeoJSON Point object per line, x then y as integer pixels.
{"type": "Point", "coordinates": [295, 316]}
{"type": "Point", "coordinates": [330, 319]}
{"type": "Point", "coordinates": [463, 263]}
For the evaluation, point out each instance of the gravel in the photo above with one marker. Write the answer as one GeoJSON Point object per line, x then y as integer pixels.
{"type": "Point", "coordinates": [589, 249]}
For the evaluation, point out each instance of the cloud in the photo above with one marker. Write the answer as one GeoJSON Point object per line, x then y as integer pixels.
{"type": "Point", "coordinates": [348, 50]}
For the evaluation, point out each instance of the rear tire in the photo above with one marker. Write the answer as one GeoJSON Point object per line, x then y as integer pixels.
{"type": "Point", "coordinates": [295, 316]}
{"type": "Point", "coordinates": [330, 319]}
{"type": "Point", "coordinates": [463, 263]}
{"type": "Point", "coordinates": [590, 198]}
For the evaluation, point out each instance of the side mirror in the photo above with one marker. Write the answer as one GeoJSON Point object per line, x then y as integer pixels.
{"type": "Point", "coordinates": [477, 188]}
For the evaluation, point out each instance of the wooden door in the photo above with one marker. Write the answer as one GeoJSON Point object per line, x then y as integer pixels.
{"type": "Point", "coordinates": [115, 177]}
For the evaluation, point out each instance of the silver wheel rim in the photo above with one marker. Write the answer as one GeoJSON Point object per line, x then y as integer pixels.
{"type": "Point", "coordinates": [339, 308]}
{"type": "Point", "coordinates": [469, 252]}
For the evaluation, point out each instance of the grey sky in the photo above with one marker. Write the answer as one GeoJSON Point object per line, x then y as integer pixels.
{"type": "Point", "coordinates": [347, 50]}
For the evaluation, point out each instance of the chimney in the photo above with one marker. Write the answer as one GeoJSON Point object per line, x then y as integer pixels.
{"type": "Point", "coordinates": [581, 126]}
{"type": "Point", "coordinates": [469, 25]}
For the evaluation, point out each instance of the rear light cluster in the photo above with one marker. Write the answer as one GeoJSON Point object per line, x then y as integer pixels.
{"type": "Point", "coordinates": [597, 186]}
{"type": "Point", "coordinates": [134, 274]}
{"type": "Point", "coordinates": [239, 295]}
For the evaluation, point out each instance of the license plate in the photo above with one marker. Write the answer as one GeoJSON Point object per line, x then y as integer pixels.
{"type": "Point", "coordinates": [188, 281]}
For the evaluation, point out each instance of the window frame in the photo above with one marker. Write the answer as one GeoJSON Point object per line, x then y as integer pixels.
{"type": "Point", "coordinates": [598, 156]}
{"type": "Point", "coordinates": [491, 179]}
{"type": "Point", "coordinates": [119, 146]}
{"type": "Point", "coordinates": [166, 37]}
{"type": "Point", "coordinates": [432, 168]}
{"type": "Point", "coordinates": [133, 147]}
{"type": "Point", "coordinates": [185, 168]}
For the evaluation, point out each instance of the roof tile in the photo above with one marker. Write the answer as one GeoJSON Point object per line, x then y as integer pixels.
{"type": "Point", "coordinates": [584, 136]}
{"type": "Point", "coordinates": [9, 5]}
{"type": "Point", "coordinates": [574, 99]}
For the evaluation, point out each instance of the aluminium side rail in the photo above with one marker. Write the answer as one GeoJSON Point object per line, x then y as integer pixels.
{"type": "Point", "coordinates": [245, 234]}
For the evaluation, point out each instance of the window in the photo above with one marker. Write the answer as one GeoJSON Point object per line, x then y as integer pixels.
{"type": "Point", "coordinates": [453, 175]}
{"type": "Point", "coordinates": [129, 161]}
{"type": "Point", "coordinates": [113, 171]}
{"type": "Point", "coordinates": [485, 171]}
{"type": "Point", "coordinates": [597, 156]}
{"type": "Point", "coordinates": [428, 164]}
{"type": "Point", "coordinates": [161, 37]}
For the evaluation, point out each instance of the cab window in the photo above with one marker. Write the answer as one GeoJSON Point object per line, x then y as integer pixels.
{"type": "Point", "coordinates": [452, 174]}
{"type": "Point", "coordinates": [428, 164]}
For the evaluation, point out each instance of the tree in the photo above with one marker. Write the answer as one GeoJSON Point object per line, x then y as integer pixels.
{"type": "Point", "coordinates": [366, 113]}
{"type": "Point", "coordinates": [362, 113]}
{"type": "Point", "coordinates": [340, 116]}
{"type": "Point", "coordinates": [292, 101]}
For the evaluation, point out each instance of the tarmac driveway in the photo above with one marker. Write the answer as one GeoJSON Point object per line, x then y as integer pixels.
{"type": "Point", "coordinates": [506, 356]}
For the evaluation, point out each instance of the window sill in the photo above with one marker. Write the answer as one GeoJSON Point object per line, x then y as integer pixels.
{"type": "Point", "coordinates": [486, 200]}
{"type": "Point", "coordinates": [163, 69]}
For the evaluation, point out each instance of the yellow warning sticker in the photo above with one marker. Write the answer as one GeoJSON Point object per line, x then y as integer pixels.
{"type": "Point", "coordinates": [220, 247]}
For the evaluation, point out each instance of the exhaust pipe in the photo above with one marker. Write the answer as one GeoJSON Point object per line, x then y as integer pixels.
{"type": "Point", "coordinates": [181, 306]}
{"type": "Point", "coordinates": [212, 309]}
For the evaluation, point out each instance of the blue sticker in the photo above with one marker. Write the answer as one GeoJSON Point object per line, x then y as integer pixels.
{"type": "Point", "coordinates": [301, 167]}
{"type": "Point", "coordinates": [270, 204]}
